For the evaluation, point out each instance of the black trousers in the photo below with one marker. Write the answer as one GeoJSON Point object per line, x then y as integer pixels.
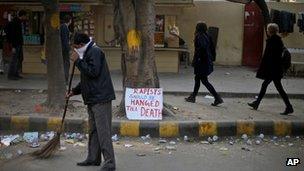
{"type": "Point", "coordinates": [100, 141]}
{"type": "Point", "coordinates": [206, 83]}
{"type": "Point", "coordinates": [66, 64]}
{"type": "Point", "coordinates": [279, 87]}
{"type": "Point", "coordinates": [15, 67]}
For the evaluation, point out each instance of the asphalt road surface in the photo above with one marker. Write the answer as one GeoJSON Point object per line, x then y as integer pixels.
{"type": "Point", "coordinates": [183, 156]}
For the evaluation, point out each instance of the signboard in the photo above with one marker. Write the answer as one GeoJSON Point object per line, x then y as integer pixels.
{"type": "Point", "coordinates": [144, 103]}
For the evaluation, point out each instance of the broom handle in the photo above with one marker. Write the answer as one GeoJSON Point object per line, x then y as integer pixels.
{"type": "Point", "coordinates": [67, 99]}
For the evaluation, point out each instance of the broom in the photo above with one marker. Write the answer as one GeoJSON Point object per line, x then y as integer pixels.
{"type": "Point", "coordinates": [53, 145]}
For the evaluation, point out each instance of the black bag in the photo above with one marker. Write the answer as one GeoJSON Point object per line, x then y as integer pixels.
{"type": "Point", "coordinates": [286, 59]}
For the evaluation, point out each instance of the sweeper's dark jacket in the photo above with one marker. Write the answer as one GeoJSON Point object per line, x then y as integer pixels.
{"type": "Point", "coordinates": [95, 84]}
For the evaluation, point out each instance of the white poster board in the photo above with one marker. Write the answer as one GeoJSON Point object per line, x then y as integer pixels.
{"type": "Point", "coordinates": [144, 103]}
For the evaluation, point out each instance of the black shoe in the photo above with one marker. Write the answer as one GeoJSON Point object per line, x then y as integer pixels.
{"type": "Point", "coordinates": [1, 72]}
{"type": "Point", "coordinates": [12, 78]}
{"type": "Point", "coordinates": [190, 99]}
{"type": "Point", "coordinates": [254, 105]}
{"type": "Point", "coordinates": [287, 111]}
{"type": "Point", "coordinates": [107, 166]}
{"type": "Point", "coordinates": [217, 101]}
{"type": "Point", "coordinates": [87, 163]}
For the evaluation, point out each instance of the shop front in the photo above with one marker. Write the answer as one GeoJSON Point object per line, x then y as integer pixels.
{"type": "Point", "coordinates": [96, 19]}
{"type": "Point", "coordinates": [169, 49]}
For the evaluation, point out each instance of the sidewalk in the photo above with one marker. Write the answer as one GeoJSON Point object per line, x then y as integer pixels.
{"type": "Point", "coordinates": [233, 118]}
{"type": "Point", "coordinates": [238, 80]}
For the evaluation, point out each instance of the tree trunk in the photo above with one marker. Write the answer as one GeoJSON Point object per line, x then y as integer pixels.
{"type": "Point", "coordinates": [134, 25]}
{"type": "Point", "coordinates": [55, 73]}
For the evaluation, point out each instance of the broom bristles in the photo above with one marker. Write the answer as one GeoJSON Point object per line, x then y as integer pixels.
{"type": "Point", "coordinates": [48, 149]}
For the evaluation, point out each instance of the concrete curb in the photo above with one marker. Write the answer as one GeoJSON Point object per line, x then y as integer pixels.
{"type": "Point", "coordinates": [186, 93]}
{"type": "Point", "coordinates": [166, 129]}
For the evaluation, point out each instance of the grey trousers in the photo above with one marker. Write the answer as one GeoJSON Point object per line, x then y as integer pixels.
{"type": "Point", "coordinates": [100, 141]}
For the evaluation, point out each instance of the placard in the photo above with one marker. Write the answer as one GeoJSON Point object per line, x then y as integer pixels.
{"type": "Point", "coordinates": [144, 103]}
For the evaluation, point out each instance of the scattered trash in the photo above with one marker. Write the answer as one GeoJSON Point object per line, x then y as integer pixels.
{"type": "Point", "coordinates": [62, 148]}
{"type": "Point", "coordinates": [257, 142]}
{"type": "Point", "coordinates": [80, 137]}
{"type": "Point", "coordinates": [43, 137]}
{"type": "Point", "coordinates": [7, 140]}
{"type": "Point", "coordinates": [170, 153]}
{"type": "Point", "coordinates": [297, 137]}
{"type": "Point", "coordinates": [209, 97]}
{"type": "Point", "coordinates": [261, 136]}
{"type": "Point", "coordinates": [245, 137]}
{"type": "Point", "coordinates": [157, 152]}
{"type": "Point", "coordinates": [204, 142]}
{"type": "Point", "coordinates": [115, 138]}
{"type": "Point", "coordinates": [276, 144]}
{"type": "Point", "coordinates": [274, 138]}
{"type": "Point", "coordinates": [227, 73]}
{"type": "Point", "coordinates": [246, 149]}
{"type": "Point", "coordinates": [175, 108]}
{"type": "Point", "coordinates": [69, 141]}
{"type": "Point", "coordinates": [17, 91]}
{"type": "Point", "coordinates": [215, 138]}
{"type": "Point", "coordinates": [19, 152]}
{"type": "Point", "coordinates": [40, 91]}
{"type": "Point", "coordinates": [186, 138]}
{"type": "Point", "coordinates": [30, 137]}
{"type": "Point", "coordinates": [146, 143]}
{"type": "Point", "coordinates": [231, 142]}
{"type": "Point", "coordinates": [141, 155]}
{"type": "Point", "coordinates": [256, 97]}
{"type": "Point", "coordinates": [34, 145]}
{"type": "Point", "coordinates": [210, 140]}
{"type": "Point", "coordinates": [249, 142]}
{"type": "Point", "coordinates": [172, 143]}
{"type": "Point", "coordinates": [282, 145]}
{"type": "Point", "coordinates": [128, 145]}
{"type": "Point", "coordinates": [157, 149]}
{"type": "Point", "coordinates": [38, 108]}
{"type": "Point", "coordinates": [171, 148]}
{"type": "Point", "coordinates": [287, 136]}
{"type": "Point", "coordinates": [290, 144]}
{"type": "Point", "coordinates": [80, 144]}
{"type": "Point", "coordinates": [224, 149]}
{"type": "Point", "coordinates": [48, 135]}
{"type": "Point", "coordinates": [146, 138]}
{"type": "Point", "coordinates": [162, 141]}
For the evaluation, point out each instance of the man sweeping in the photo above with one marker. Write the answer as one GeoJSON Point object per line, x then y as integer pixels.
{"type": "Point", "coordinates": [97, 92]}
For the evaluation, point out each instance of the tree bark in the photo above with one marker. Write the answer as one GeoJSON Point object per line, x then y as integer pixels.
{"type": "Point", "coordinates": [135, 19]}
{"type": "Point", "coordinates": [55, 73]}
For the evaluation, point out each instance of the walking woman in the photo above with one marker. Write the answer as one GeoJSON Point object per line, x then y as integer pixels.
{"type": "Point", "coordinates": [202, 63]}
{"type": "Point", "coordinates": [271, 68]}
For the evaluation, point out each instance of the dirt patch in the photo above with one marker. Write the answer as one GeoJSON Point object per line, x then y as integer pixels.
{"type": "Point", "coordinates": [25, 103]}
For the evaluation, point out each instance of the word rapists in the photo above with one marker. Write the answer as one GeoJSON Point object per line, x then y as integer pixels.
{"type": "Point", "coordinates": [147, 91]}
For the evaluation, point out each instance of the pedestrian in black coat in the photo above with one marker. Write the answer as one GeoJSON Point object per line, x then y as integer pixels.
{"type": "Point", "coordinates": [202, 63]}
{"type": "Point", "coordinates": [65, 45]}
{"type": "Point", "coordinates": [271, 68]}
{"type": "Point", "coordinates": [97, 91]}
{"type": "Point", "coordinates": [15, 37]}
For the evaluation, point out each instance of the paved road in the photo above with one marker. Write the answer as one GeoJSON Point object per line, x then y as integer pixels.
{"type": "Point", "coordinates": [188, 157]}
